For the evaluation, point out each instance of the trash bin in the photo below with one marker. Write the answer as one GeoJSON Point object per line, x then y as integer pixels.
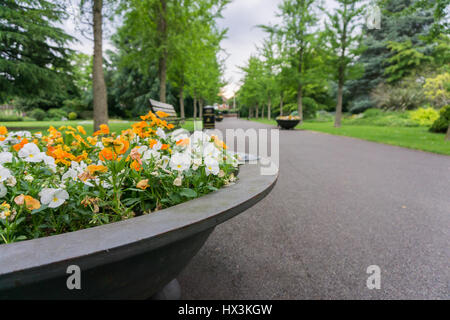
{"type": "Point", "coordinates": [209, 118]}
{"type": "Point", "coordinates": [219, 116]}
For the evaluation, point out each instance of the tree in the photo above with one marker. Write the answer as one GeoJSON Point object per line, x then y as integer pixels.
{"type": "Point", "coordinates": [343, 44]}
{"type": "Point", "coordinates": [34, 59]}
{"type": "Point", "coordinates": [249, 94]}
{"type": "Point", "coordinates": [399, 23]}
{"type": "Point", "coordinates": [94, 10]}
{"type": "Point", "coordinates": [177, 34]}
{"type": "Point", "coordinates": [296, 32]}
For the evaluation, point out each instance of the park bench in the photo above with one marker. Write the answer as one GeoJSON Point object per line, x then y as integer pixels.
{"type": "Point", "coordinates": [167, 108]}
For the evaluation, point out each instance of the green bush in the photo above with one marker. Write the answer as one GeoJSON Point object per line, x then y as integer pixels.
{"type": "Point", "coordinates": [38, 114]}
{"type": "Point", "coordinates": [56, 114]}
{"type": "Point", "coordinates": [407, 95]}
{"type": "Point", "coordinates": [73, 116]}
{"type": "Point", "coordinates": [372, 112]}
{"type": "Point", "coordinates": [9, 118]}
{"type": "Point", "coordinates": [424, 117]}
{"type": "Point", "coordinates": [310, 107]}
{"type": "Point", "coordinates": [361, 105]}
{"type": "Point", "coordinates": [442, 123]}
{"type": "Point", "coordinates": [382, 118]}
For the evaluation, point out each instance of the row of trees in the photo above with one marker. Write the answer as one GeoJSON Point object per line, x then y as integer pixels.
{"type": "Point", "coordinates": [164, 49]}
{"type": "Point", "coordinates": [315, 58]}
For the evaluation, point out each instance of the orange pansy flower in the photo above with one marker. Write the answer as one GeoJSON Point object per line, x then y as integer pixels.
{"type": "Point", "coordinates": [3, 130]}
{"type": "Point", "coordinates": [135, 165]}
{"type": "Point", "coordinates": [93, 169]}
{"type": "Point", "coordinates": [20, 145]}
{"type": "Point", "coordinates": [104, 129]}
{"type": "Point", "coordinates": [107, 154]}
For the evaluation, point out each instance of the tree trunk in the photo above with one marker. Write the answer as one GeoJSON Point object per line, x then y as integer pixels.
{"type": "Point", "coordinates": [262, 112]}
{"type": "Point", "coordinates": [269, 111]}
{"type": "Point", "coordinates": [257, 112]}
{"type": "Point", "coordinates": [300, 86]}
{"type": "Point", "coordinates": [162, 63]}
{"type": "Point", "coordinates": [447, 137]}
{"type": "Point", "coordinates": [281, 105]}
{"type": "Point", "coordinates": [98, 79]}
{"type": "Point", "coordinates": [337, 120]}
{"type": "Point", "coordinates": [182, 101]}
{"type": "Point", "coordinates": [200, 108]}
{"type": "Point", "coordinates": [195, 107]}
{"type": "Point", "coordinates": [300, 101]}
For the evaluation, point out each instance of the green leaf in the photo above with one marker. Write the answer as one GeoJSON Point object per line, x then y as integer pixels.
{"type": "Point", "coordinates": [188, 193]}
{"type": "Point", "coordinates": [42, 208]}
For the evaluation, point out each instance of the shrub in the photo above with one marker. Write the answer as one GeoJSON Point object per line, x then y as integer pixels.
{"type": "Point", "coordinates": [372, 112]}
{"type": "Point", "coordinates": [38, 114]}
{"type": "Point", "coordinates": [361, 105]}
{"type": "Point", "coordinates": [56, 114]}
{"type": "Point", "coordinates": [424, 117]}
{"type": "Point", "coordinates": [442, 123]}
{"type": "Point", "coordinates": [323, 116]}
{"type": "Point", "coordinates": [407, 95]}
{"type": "Point", "coordinates": [310, 107]}
{"type": "Point", "coordinates": [72, 116]}
{"type": "Point", "coordinates": [437, 89]}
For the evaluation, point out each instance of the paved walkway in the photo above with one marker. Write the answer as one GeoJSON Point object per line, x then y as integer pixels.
{"type": "Point", "coordinates": [340, 205]}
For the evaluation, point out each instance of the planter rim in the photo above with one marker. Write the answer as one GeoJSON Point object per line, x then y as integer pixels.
{"type": "Point", "coordinates": [35, 260]}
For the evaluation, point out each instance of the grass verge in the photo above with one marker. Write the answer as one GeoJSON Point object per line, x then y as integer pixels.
{"type": "Point", "coordinates": [418, 138]}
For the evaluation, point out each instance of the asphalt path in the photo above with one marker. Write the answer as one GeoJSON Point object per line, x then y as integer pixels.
{"type": "Point", "coordinates": [340, 206]}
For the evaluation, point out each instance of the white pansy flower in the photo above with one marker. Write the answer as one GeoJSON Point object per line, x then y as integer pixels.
{"type": "Point", "coordinates": [11, 181]}
{"type": "Point", "coordinates": [53, 198]}
{"type": "Point", "coordinates": [5, 157]}
{"type": "Point", "coordinates": [28, 178]}
{"type": "Point", "coordinates": [211, 166]}
{"type": "Point", "coordinates": [210, 151]}
{"type": "Point", "coordinates": [49, 161]}
{"type": "Point", "coordinates": [160, 133]}
{"type": "Point", "coordinates": [3, 190]}
{"type": "Point", "coordinates": [71, 174]}
{"type": "Point", "coordinates": [178, 181]}
{"type": "Point", "coordinates": [164, 161]}
{"type": "Point", "coordinates": [31, 153]}
{"type": "Point", "coordinates": [196, 162]}
{"type": "Point", "coordinates": [151, 154]}
{"type": "Point", "coordinates": [180, 161]}
{"type": "Point", "coordinates": [142, 149]}
{"type": "Point", "coordinates": [4, 174]}
{"type": "Point", "coordinates": [79, 167]}
{"type": "Point", "coordinates": [157, 146]}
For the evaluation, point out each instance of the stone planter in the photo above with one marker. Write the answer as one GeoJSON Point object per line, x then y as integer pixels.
{"type": "Point", "coordinates": [287, 124]}
{"type": "Point", "coordinates": [133, 259]}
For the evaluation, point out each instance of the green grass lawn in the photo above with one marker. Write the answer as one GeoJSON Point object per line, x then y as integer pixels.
{"type": "Point", "coordinates": [418, 138]}
{"type": "Point", "coordinates": [115, 125]}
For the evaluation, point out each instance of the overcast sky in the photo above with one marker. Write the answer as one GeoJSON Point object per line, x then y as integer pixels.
{"type": "Point", "coordinates": [241, 18]}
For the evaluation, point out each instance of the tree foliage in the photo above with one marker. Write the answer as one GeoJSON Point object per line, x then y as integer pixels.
{"type": "Point", "coordinates": [34, 58]}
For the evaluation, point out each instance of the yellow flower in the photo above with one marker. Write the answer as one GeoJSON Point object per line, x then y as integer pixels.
{"type": "Point", "coordinates": [104, 129]}
{"type": "Point", "coordinates": [143, 184]}
{"type": "Point", "coordinates": [93, 169]}
{"type": "Point", "coordinates": [81, 130]}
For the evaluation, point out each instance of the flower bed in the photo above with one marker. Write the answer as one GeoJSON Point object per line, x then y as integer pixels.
{"type": "Point", "coordinates": [65, 181]}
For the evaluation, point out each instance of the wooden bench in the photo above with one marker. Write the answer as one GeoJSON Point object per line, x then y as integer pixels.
{"type": "Point", "coordinates": [167, 108]}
